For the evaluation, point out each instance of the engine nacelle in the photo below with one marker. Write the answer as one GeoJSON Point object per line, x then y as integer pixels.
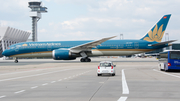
{"type": "Point", "coordinates": [62, 54]}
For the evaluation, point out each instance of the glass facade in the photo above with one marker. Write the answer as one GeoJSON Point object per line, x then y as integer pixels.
{"type": "Point", "coordinates": [176, 46]}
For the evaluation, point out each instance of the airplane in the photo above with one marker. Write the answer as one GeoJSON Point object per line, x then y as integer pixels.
{"type": "Point", "coordinates": [70, 50]}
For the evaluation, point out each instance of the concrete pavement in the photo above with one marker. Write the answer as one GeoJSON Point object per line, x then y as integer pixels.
{"type": "Point", "coordinates": [49, 80]}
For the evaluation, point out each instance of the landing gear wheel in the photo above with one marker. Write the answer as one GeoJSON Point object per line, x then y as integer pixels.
{"type": "Point", "coordinates": [85, 60]}
{"type": "Point", "coordinates": [82, 60]}
{"type": "Point", "coordinates": [89, 60]}
{"type": "Point", "coordinates": [16, 61]}
{"type": "Point", "coordinates": [98, 74]}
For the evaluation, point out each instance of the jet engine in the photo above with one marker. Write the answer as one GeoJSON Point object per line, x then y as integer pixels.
{"type": "Point", "coordinates": [62, 54]}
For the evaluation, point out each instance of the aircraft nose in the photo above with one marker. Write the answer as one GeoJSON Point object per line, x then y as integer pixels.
{"type": "Point", "coordinates": [4, 53]}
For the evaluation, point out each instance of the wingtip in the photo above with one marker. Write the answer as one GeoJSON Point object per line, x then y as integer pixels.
{"type": "Point", "coordinates": [112, 37]}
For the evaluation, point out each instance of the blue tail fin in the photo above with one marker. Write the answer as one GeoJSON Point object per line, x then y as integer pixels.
{"type": "Point", "coordinates": [157, 31]}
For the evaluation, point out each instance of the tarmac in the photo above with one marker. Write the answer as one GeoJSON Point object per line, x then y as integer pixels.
{"type": "Point", "coordinates": [137, 79]}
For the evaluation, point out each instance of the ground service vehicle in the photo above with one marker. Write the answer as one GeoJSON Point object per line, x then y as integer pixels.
{"type": "Point", "coordinates": [169, 60]}
{"type": "Point", "coordinates": [106, 67]}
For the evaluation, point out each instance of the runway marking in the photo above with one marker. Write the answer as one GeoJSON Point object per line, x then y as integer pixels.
{"type": "Point", "coordinates": [34, 87]}
{"type": "Point", "coordinates": [34, 75]}
{"type": "Point", "coordinates": [2, 96]}
{"type": "Point", "coordinates": [26, 71]}
{"type": "Point", "coordinates": [166, 73]}
{"type": "Point", "coordinates": [124, 84]}
{"type": "Point", "coordinates": [65, 78]}
{"type": "Point", "coordinates": [37, 86]}
{"type": "Point", "coordinates": [19, 91]}
{"type": "Point", "coordinates": [53, 81]}
{"type": "Point", "coordinates": [123, 98]}
{"type": "Point", "coordinates": [44, 84]}
{"type": "Point", "coordinates": [19, 72]}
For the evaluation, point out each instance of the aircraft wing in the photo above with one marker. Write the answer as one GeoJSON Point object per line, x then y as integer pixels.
{"type": "Point", "coordinates": [88, 46]}
{"type": "Point", "coordinates": [163, 43]}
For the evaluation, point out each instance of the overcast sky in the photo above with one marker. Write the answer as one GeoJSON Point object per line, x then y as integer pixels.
{"type": "Point", "coordinates": [93, 19]}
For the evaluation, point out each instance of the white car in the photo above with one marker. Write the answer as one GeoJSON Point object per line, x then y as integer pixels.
{"type": "Point", "coordinates": [106, 67]}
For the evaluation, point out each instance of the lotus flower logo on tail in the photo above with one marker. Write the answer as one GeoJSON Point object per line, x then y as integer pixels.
{"type": "Point", "coordinates": [155, 35]}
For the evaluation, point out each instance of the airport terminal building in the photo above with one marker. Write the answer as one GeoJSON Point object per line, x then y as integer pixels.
{"type": "Point", "coordinates": [9, 36]}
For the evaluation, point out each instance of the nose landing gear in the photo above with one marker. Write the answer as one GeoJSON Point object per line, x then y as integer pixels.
{"type": "Point", "coordinates": [16, 60]}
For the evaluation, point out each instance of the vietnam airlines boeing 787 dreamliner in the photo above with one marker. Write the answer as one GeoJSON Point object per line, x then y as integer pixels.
{"type": "Point", "coordinates": [69, 50]}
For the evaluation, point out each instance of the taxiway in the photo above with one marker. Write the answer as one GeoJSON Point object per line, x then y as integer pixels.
{"type": "Point", "coordinates": [136, 79]}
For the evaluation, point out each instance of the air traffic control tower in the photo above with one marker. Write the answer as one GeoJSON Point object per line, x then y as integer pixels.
{"type": "Point", "coordinates": [35, 14]}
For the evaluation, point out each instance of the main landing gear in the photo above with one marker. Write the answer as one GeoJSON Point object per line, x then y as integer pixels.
{"type": "Point", "coordinates": [85, 59]}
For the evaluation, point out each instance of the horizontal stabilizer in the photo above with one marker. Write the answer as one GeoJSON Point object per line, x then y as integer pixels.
{"type": "Point", "coordinates": [163, 43]}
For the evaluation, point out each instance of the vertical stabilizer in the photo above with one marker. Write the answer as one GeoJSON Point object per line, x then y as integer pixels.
{"type": "Point", "coordinates": [157, 31]}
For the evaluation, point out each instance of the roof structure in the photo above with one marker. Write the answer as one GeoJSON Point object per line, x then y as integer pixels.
{"type": "Point", "coordinates": [9, 36]}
